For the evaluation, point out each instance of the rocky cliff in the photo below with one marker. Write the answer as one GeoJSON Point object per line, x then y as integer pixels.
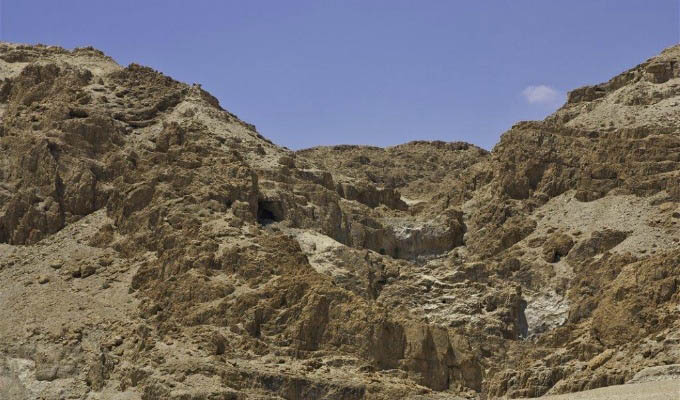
{"type": "Point", "coordinates": [155, 246]}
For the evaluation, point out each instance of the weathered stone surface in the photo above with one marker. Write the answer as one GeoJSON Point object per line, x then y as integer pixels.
{"type": "Point", "coordinates": [215, 264]}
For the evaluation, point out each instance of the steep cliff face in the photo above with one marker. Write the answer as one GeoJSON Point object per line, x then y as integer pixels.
{"type": "Point", "coordinates": [153, 245]}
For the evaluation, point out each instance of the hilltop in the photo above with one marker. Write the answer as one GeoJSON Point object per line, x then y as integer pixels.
{"type": "Point", "coordinates": [155, 246]}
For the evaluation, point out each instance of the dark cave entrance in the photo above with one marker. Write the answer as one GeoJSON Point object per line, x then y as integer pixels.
{"type": "Point", "coordinates": [523, 325]}
{"type": "Point", "coordinates": [269, 212]}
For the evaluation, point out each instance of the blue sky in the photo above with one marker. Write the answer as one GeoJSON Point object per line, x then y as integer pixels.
{"type": "Point", "coordinates": [366, 71]}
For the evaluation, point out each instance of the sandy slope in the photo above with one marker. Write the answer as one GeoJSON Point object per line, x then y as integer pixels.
{"type": "Point", "coordinates": [660, 390]}
{"type": "Point", "coordinates": [154, 246]}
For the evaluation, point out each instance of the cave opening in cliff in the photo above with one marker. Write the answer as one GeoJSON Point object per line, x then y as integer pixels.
{"type": "Point", "coordinates": [269, 212]}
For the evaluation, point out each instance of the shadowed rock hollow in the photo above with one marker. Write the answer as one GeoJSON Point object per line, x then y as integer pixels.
{"type": "Point", "coordinates": [155, 246]}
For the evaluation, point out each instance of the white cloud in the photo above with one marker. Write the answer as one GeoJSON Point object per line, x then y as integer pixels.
{"type": "Point", "coordinates": [542, 94]}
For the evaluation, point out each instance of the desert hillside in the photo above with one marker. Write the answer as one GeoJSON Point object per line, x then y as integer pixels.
{"type": "Point", "coordinates": [155, 246]}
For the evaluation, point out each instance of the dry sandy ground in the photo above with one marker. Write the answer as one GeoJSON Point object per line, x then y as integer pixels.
{"type": "Point", "coordinates": [658, 390]}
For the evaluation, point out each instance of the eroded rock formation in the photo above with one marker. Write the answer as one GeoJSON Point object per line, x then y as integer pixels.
{"type": "Point", "coordinates": [155, 246]}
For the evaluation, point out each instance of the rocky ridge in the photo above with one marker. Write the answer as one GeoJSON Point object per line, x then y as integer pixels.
{"type": "Point", "coordinates": [155, 246]}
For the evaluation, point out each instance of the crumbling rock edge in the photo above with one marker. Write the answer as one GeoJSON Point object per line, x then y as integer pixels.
{"type": "Point", "coordinates": [153, 245]}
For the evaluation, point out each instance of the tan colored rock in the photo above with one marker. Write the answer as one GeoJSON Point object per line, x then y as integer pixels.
{"type": "Point", "coordinates": [557, 247]}
{"type": "Point", "coordinates": [220, 265]}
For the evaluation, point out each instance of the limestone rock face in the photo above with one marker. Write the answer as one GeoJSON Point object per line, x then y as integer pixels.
{"type": "Point", "coordinates": [153, 246]}
{"type": "Point", "coordinates": [556, 247]}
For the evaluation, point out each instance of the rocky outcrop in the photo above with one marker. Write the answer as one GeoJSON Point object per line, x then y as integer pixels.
{"type": "Point", "coordinates": [153, 245]}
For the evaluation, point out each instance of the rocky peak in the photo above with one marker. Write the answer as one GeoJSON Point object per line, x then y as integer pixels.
{"type": "Point", "coordinates": [153, 245]}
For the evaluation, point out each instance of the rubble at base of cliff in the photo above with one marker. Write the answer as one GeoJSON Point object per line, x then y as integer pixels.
{"type": "Point", "coordinates": [155, 246]}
